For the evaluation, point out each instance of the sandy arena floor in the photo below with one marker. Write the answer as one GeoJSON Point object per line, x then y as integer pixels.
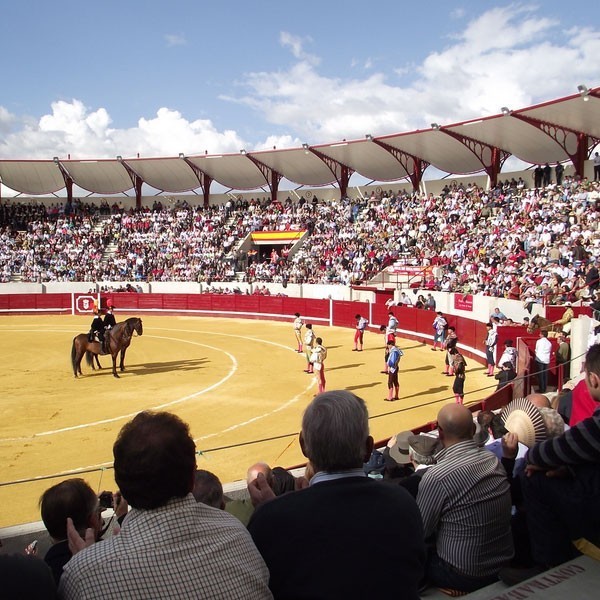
{"type": "Point", "coordinates": [238, 383]}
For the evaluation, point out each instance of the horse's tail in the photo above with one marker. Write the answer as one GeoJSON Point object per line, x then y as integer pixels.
{"type": "Point", "coordinates": [89, 358]}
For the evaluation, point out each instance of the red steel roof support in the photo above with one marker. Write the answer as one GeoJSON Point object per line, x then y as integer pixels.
{"type": "Point", "coordinates": [272, 177]}
{"type": "Point", "coordinates": [415, 171]}
{"type": "Point", "coordinates": [565, 137]}
{"type": "Point", "coordinates": [491, 157]}
{"type": "Point", "coordinates": [341, 172]}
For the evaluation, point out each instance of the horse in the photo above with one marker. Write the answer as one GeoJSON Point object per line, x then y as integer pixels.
{"type": "Point", "coordinates": [542, 324]}
{"type": "Point", "coordinates": [118, 340]}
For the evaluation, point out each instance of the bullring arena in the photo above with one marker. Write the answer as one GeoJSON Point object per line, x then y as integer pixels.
{"type": "Point", "coordinates": [239, 384]}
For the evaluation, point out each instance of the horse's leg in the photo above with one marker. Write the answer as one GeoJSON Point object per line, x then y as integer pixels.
{"type": "Point", "coordinates": [74, 354]}
{"type": "Point", "coordinates": [78, 361]}
{"type": "Point", "coordinates": [114, 360]}
{"type": "Point", "coordinates": [123, 358]}
{"type": "Point", "coordinates": [97, 361]}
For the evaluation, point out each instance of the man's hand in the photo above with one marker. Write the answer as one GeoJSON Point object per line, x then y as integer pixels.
{"type": "Point", "coordinates": [301, 483]}
{"type": "Point", "coordinates": [76, 542]}
{"type": "Point", "coordinates": [120, 505]}
{"type": "Point", "coordinates": [531, 469]}
{"type": "Point", "coordinates": [510, 445]}
{"type": "Point", "coordinates": [260, 491]}
{"type": "Point", "coordinates": [557, 472]}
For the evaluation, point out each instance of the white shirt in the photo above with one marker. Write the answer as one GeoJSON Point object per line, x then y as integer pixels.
{"type": "Point", "coordinates": [543, 350]}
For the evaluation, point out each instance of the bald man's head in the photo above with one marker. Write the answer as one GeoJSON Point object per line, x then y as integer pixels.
{"type": "Point", "coordinates": [257, 468]}
{"type": "Point", "coordinates": [539, 400]}
{"type": "Point", "coordinates": [456, 424]}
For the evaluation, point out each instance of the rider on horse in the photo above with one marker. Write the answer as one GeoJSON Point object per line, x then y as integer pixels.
{"type": "Point", "coordinates": [109, 322]}
{"type": "Point", "coordinates": [97, 328]}
{"type": "Point", "coordinates": [567, 317]}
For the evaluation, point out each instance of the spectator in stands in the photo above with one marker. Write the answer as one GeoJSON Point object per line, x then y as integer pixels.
{"type": "Point", "coordinates": [465, 503]}
{"type": "Point", "coordinates": [422, 450]}
{"type": "Point", "coordinates": [430, 302]}
{"type": "Point", "coordinates": [243, 509]}
{"type": "Point", "coordinates": [562, 509]}
{"type": "Point", "coordinates": [565, 321]}
{"type": "Point", "coordinates": [26, 577]}
{"type": "Point", "coordinates": [74, 499]}
{"type": "Point", "coordinates": [420, 303]}
{"type": "Point", "coordinates": [283, 481]}
{"type": "Point", "coordinates": [592, 278]}
{"type": "Point", "coordinates": [506, 374]}
{"type": "Point", "coordinates": [310, 536]}
{"type": "Point", "coordinates": [169, 544]}
{"type": "Point", "coordinates": [508, 355]}
{"type": "Point", "coordinates": [543, 351]}
{"type": "Point", "coordinates": [346, 241]}
{"type": "Point", "coordinates": [208, 489]}
{"type": "Point", "coordinates": [563, 355]}
{"type": "Point", "coordinates": [498, 314]}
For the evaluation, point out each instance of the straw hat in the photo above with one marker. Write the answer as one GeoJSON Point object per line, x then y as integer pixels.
{"type": "Point", "coordinates": [398, 447]}
{"type": "Point", "coordinates": [526, 420]}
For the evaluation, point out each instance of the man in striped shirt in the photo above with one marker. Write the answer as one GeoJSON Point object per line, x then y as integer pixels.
{"type": "Point", "coordinates": [465, 504]}
{"type": "Point", "coordinates": [561, 485]}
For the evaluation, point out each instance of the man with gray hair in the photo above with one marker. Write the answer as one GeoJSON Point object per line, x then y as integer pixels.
{"type": "Point", "coordinates": [314, 540]}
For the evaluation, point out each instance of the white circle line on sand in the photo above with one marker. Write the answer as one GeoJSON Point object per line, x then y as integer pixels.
{"type": "Point", "coordinates": [232, 371]}
{"type": "Point", "coordinates": [103, 465]}
{"type": "Point", "coordinates": [230, 374]}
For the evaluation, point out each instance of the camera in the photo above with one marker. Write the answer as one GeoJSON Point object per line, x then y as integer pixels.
{"type": "Point", "coordinates": [106, 500]}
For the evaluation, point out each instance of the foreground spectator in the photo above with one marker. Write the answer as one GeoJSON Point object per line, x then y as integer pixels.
{"type": "Point", "coordinates": [562, 489]}
{"type": "Point", "coordinates": [25, 577]}
{"type": "Point", "coordinates": [208, 489]}
{"type": "Point", "coordinates": [465, 504]}
{"type": "Point", "coordinates": [73, 499]}
{"type": "Point", "coordinates": [316, 541]}
{"type": "Point", "coordinates": [170, 546]}
{"type": "Point", "coordinates": [243, 509]}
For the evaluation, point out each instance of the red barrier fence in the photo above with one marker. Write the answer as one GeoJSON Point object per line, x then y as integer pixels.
{"type": "Point", "coordinates": [414, 323]}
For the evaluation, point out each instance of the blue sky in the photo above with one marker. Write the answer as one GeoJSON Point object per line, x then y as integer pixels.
{"type": "Point", "coordinates": [157, 78]}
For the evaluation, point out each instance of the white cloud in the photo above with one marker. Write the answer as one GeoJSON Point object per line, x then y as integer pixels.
{"type": "Point", "coordinates": [512, 56]}
{"type": "Point", "coordinates": [458, 13]}
{"type": "Point", "coordinates": [296, 46]}
{"type": "Point", "coordinates": [175, 39]}
{"type": "Point", "coordinates": [504, 57]}
{"type": "Point", "coordinates": [71, 129]}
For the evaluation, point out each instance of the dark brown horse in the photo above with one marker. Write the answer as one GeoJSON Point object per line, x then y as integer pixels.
{"type": "Point", "coordinates": [118, 340]}
{"type": "Point", "coordinates": [541, 323]}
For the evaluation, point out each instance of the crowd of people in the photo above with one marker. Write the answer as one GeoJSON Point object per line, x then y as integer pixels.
{"type": "Point", "coordinates": [535, 244]}
{"type": "Point", "coordinates": [484, 496]}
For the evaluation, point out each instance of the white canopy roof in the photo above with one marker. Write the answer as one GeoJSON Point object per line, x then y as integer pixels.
{"type": "Point", "coordinates": [543, 133]}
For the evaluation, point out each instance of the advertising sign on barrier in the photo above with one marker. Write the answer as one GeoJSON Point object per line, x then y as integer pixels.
{"type": "Point", "coordinates": [84, 303]}
{"type": "Point", "coordinates": [463, 302]}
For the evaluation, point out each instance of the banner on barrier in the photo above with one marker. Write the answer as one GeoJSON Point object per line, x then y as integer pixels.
{"type": "Point", "coordinates": [84, 303]}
